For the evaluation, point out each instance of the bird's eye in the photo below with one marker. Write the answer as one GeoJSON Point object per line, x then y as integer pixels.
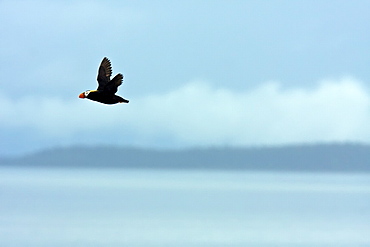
{"type": "Point", "coordinates": [87, 93]}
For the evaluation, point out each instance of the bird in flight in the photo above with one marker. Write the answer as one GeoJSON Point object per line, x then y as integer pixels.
{"type": "Point", "coordinates": [107, 88]}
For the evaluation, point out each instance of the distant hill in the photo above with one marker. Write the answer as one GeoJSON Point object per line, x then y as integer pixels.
{"type": "Point", "coordinates": [312, 158]}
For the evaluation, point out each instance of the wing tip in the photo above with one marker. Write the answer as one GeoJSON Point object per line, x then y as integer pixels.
{"type": "Point", "coordinates": [119, 79]}
{"type": "Point", "coordinates": [106, 64]}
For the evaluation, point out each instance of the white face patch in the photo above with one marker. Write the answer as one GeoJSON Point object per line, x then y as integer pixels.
{"type": "Point", "coordinates": [86, 93]}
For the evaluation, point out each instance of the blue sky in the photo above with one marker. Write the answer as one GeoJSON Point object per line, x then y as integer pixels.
{"type": "Point", "coordinates": [197, 73]}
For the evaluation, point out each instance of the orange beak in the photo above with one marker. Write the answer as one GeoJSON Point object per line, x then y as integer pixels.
{"type": "Point", "coordinates": [82, 95]}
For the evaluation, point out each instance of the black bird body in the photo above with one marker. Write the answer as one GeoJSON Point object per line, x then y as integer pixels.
{"type": "Point", "coordinates": [107, 88]}
{"type": "Point", "coordinates": [105, 98]}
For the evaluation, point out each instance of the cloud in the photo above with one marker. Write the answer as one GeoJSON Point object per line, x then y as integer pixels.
{"type": "Point", "coordinates": [198, 114]}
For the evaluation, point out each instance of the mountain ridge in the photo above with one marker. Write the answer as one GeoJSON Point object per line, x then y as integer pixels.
{"type": "Point", "coordinates": [306, 158]}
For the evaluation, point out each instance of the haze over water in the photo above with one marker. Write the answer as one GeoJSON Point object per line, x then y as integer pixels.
{"type": "Point", "coordinates": [113, 207]}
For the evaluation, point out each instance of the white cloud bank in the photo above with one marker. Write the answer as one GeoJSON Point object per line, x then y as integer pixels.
{"type": "Point", "coordinates": [198, 115]}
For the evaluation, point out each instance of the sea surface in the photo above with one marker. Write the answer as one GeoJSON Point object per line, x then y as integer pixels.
{"type": "Point", "coordinates": [145, 208]}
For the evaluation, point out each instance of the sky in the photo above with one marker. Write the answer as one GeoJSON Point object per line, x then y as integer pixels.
{"type": "Point", "coordinates": [197, 73]}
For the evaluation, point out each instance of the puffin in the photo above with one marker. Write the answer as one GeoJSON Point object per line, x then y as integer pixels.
{"type": "Point", "coordinates": [107, 88]}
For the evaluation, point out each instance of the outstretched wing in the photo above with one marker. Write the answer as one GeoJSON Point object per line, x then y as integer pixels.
{"type": "Point", "coordinates": [104, 73]}
{"type": "Point", "coordinates": [113, 85]}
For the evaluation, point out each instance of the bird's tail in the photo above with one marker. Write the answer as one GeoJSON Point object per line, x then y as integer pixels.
{"type": "Point", "coordinates": [122, 100]}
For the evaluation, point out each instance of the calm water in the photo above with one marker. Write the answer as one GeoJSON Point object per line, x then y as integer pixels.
{"type": "Point", "coordinates": [77, 207]}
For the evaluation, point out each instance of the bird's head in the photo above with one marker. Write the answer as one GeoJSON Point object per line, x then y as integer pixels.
{"type": "Point", "coordinates": [84, 94]}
